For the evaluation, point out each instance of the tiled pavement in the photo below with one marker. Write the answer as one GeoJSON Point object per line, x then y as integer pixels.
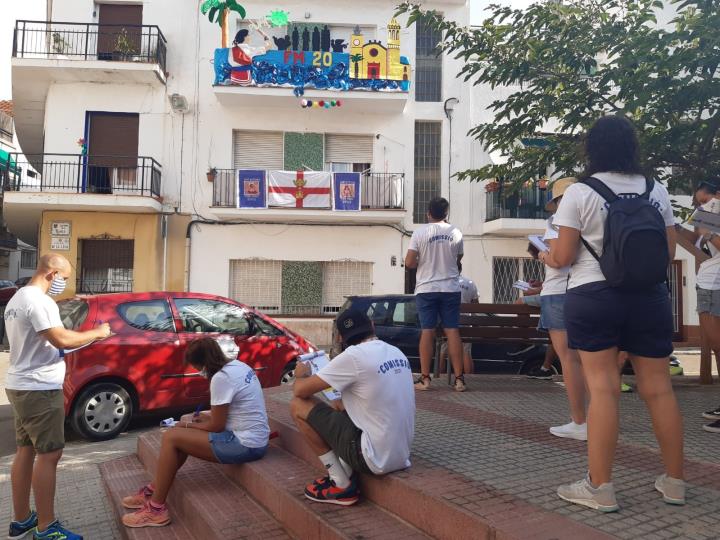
{"type": "Point", "coordinates": [494, 437]}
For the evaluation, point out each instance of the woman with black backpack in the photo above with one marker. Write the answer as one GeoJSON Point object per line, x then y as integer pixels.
{"type": "Point", "coordinates": [616, 232]}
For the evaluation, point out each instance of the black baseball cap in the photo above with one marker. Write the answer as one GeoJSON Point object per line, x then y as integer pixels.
{"type": "Point", "coordinates": [351, 323]}
{"type": "Point", "coordinates": [710, 187]}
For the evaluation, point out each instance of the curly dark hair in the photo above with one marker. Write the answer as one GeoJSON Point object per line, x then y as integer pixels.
{"type": "Point", "coordinates": [205, 353]}
{"type": "Point", "coordinates": [611, 145]}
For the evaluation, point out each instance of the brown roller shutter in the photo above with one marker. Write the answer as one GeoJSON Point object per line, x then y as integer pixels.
{"type": "Point", "coordinates": [111, 20]}
{"type": "Point", "coordinates": [113, 140]}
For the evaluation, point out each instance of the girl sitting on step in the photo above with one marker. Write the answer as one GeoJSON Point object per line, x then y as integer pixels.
{"type": "Point", "coordinates": [235, 431]}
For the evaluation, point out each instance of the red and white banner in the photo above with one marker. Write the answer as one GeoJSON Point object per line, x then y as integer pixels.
{"type": "Point", "coordinates": [299, 189]}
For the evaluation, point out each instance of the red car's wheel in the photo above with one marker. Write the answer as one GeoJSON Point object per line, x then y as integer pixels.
{"type": "Point", "coordinates": [102, 411]}
{"type": "Point", "coordinates": [288, 374]}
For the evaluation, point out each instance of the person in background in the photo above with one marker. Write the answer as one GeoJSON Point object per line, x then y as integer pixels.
{"type": "Point", "coordinates": [235, 431]}
{"type": "Point", "coordinates": [707, 197]}
{"type": "Point", "coordinates": [552, 320]}
{"type": "Point", "coordinates": [34, 389]}
{"type": "Point", "coordinates": [603, 319]}
{"type": "Point", "coordinates": [468, 295]}
{"type": "Point", "coordinates": [371, 429]}
{"type": "Point", "coordinates": [436, 250]}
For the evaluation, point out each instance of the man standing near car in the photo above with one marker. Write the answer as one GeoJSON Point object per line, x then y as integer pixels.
{"type": "Point", "coordinates": [34, 389]}
{"type": "Point", "coordinates": [435, 250]}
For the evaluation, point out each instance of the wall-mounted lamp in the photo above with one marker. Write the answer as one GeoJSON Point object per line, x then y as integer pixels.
{"type": "Point", "coordinates": [178, 103]}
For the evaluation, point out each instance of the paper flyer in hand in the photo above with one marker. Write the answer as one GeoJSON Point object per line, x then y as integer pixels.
{"type": "Point", "coordinates": [706, 220]}
{"type": "Point", "coordinates": [317, 361]}
{"type": "Point", "coordinates": [537, 241]}
{"type": "Point", "coordinates": [522, 285]}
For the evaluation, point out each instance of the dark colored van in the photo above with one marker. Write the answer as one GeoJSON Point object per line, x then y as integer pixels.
{"type": "Point", "coordinates": [396, 322]}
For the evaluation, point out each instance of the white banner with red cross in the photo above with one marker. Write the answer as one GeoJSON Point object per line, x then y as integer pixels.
{"type": "Point", "coordinates": [299, 189]}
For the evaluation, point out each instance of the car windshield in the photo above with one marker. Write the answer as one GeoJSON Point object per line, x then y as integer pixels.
{"type": "Point", "coordinates": [203, 315]}
{"type": "Point", "coordinates": [73, 313]}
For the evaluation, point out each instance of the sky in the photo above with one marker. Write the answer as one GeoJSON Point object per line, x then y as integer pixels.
{"type": "Point", "coordinates": [35, 10]}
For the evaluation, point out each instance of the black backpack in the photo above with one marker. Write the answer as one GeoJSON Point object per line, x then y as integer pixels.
{"type": "Point", "coordinates": [635, 250]}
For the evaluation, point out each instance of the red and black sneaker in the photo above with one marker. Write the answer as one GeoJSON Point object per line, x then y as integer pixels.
{"type": "Point", "coordinates": [324, 490]}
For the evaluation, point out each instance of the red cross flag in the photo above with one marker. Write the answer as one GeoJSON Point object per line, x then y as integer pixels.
{"type": "Point", "coordinates": [299, 189]}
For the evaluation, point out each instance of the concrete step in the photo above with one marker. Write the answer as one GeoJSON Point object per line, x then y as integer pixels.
{"type": "Point", "coordinates": [204, 503]}
{"type": "Point", "coordinates": [277, 482]}
{"type": "Point", "coordinates": [124, 475]}
{"type": "Point", "coordinates": [439, 502]}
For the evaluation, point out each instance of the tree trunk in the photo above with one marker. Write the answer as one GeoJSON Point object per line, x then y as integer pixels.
{"type": "Point", "coordinates": [224, 41]}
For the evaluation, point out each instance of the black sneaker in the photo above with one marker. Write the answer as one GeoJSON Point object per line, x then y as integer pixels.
{"type": "Point", "coordinates": [540, 373]}
{"type": "Point", "coordinates": [713, 428]}
{"type": "Point", "coordinates": [712, 415]}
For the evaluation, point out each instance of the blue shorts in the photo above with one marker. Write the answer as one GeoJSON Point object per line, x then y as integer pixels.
{"type": "Point", "coordinates": [600, 317]}
{"type": "Point", "coordinates": [443, 307]}
{"type": "Point", "coordinates": [228, 449]}
{"type": "Point", "coordinates": [552, 312]}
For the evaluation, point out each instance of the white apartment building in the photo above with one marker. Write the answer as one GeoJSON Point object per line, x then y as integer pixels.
{"type": "Point", "coordinates": [137, 117]}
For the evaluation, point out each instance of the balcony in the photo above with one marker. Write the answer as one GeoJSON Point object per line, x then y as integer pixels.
{"type": "Point", "coordinates": [382, 200]}
{"type": "Point", "coordinates": [46, 51]}
{"type": "Point", "coordinates": [517, 212]}
{"type": "Point", "coordinates": [33, 183]}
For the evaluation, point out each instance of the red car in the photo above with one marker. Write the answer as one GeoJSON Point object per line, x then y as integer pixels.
{"type": "Point", "coordinates": [141, 368]}
{"type": "Point", "coordinates": [7, 291]}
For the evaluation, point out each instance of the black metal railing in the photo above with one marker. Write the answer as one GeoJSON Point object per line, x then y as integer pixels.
{"type": "Point", "coordinates": [79, 173]}
{"type": "Point", "coordinates": [527, 202]}
{"type": "Point", "coordinates": [379, 191]}
{"type": "Point", "coordinates": [121, 283]}
{"type": "Point", "coordinates": [90, 41]}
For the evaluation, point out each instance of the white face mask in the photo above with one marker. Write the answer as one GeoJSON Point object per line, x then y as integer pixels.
{"type": "Point", "coordinates": [57, 286]}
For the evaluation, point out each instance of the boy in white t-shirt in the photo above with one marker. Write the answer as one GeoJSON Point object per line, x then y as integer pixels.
{"type": "Point", "coordinates": [371, 429]}
{"type": "Point", "coordinates": [435, 250]}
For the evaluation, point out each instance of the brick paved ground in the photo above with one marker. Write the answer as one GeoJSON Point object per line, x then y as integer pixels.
{"type": "Point", "coordinates": [494, 438]}
{"type": "Point", "coordinates": [499, 438]}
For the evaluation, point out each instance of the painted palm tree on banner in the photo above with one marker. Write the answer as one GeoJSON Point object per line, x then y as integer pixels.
{"type": "Point", "coordinates": [218, 11]}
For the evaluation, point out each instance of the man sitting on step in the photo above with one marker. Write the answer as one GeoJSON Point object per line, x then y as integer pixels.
{"type": "Point", "coordinates": [371, 429]}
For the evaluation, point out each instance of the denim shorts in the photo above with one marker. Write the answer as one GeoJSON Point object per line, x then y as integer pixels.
{"type": "Point", "coordinates": [708, 301]}
{"type": "Point", "coordinates": [552, 312]}
{"type": "Point", "coordinates": [600, 317]}
{"type": "Point", "coordinates": [228, 449]}
{"type": "Point", "coordinates": [443, 307]}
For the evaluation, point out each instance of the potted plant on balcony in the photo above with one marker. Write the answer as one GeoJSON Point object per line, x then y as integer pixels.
{"type": "Point", "coordinates": [124, 47]}
{"type": "Point", "coordinates": [59, 45]}
{"type": "Point", "coordinates": [211, 174]}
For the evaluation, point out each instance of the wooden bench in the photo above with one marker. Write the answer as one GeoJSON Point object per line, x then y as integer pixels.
{"type": "Point", "coordinates": [495, 323]}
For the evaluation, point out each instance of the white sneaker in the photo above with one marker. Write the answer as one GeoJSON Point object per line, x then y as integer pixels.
{"type": "Point", "coordinates": [672, 489]}
{"type": "Point", "coordinates": [582, 492]}
{"type": "Point", "coordinates": [571, 431]}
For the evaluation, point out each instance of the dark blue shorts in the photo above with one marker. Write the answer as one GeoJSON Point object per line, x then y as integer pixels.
{"type": "Point", "coordinates": [443, 307]}
{"type": "Point", "coordinates": [229, 450]}
{"type": "Point", "coordinates": [600, 317]}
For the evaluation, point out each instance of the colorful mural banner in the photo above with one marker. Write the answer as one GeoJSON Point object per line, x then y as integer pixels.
{"type": "Point", "coordinates": [299, 189]}
{"type": "Point", "coordinates": [346, 196]}
{"type": "Point", "coordinates": [252, 189]}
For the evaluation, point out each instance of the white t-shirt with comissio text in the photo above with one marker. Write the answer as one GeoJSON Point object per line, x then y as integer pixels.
{"type": "Point", "coordinates": [438, 246]}
{"type": "Point", "coordinates": [378, 394]}
{"type": "Point", "coordinates": [35, 364]}
{"type": "Point", "coordinates": [556, 279]}
{"type": "Point", "coordinates": [582, 208]}
{"type": "Point", "coordinates": [237, 385]}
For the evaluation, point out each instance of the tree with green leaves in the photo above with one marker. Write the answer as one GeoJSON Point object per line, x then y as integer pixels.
{"type": "Point", "coordinates": [218, 12]}
{"type": "Point", "coordinates": [566, 63]}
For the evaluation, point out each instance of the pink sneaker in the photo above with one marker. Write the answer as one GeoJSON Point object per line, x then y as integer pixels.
{"type": "Point", "coordinates": [147, 516]}
{"type": "Point", "coordinates": [137, 501]}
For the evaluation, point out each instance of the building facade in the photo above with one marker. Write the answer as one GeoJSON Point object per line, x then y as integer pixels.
{"type": "Point", "coordinates": [138, 117]}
